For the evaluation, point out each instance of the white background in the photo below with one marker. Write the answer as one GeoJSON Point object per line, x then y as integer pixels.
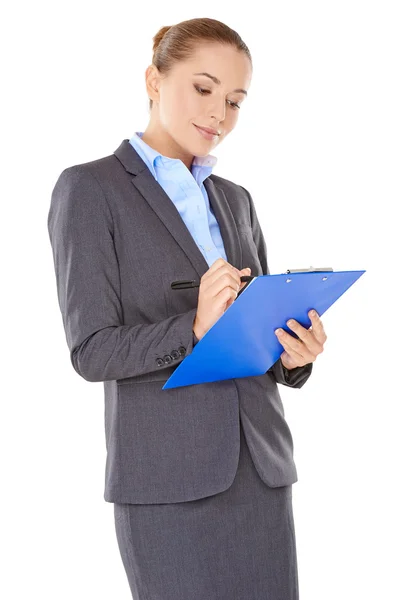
{"type": "Point", "coordinates": [317, 146]}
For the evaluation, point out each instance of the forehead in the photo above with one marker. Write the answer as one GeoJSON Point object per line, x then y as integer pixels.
{"type": "Point", "coordinates": [231, 66]}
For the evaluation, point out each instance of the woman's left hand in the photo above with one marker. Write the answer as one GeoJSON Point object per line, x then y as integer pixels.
{"type": "Point", "coordinates": [300, 352]}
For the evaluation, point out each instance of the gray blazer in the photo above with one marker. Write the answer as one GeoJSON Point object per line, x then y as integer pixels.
{"type": "Point", "coordinates": [118, 241]}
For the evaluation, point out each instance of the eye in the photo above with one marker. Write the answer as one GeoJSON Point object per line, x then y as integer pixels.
{"type": "Point", "coordinates": [202, 91]}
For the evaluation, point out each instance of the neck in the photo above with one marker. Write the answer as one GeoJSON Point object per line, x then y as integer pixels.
{"type": "Point", "coordinates": [156, 137]}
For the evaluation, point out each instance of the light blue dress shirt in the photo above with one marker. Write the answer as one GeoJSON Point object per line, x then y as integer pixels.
{"type": "Point", "coordinates": [187, 191]}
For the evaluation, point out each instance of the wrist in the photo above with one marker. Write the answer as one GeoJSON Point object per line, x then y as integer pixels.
{"type": "Point", "coordinates": [286, 367]}
{"type": "Point", "coordinates": [197, 331]}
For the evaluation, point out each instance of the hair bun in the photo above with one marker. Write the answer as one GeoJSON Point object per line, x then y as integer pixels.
{"type": "Point", "coordinates": [159, 36]}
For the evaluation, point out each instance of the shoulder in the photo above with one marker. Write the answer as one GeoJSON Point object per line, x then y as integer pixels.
{"type": "Point", "coordinates": [88, 180]}
{"type": "Point", "coordinates": [227, 184]}
{"type": "Point", "coordinates": [79, 194]}
{"type": "Point", "coordinates": [91, 169]}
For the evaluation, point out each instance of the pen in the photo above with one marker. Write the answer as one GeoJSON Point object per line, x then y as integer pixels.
{"type": "Point", "coordinates": [187, 283]}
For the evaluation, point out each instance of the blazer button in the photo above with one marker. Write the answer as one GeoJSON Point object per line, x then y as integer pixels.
{"type": "Point", "coordinates": [182, 350]}
{"type": "Point", "coordinates": [168, 359]}
{"type": "Point", "coordinates": [159, 362]}
{"type": "Point", "coordinates": [175, 354]}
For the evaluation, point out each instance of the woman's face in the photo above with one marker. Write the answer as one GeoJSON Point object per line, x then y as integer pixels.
{"type": "Point", "coordinates": [184, 99]}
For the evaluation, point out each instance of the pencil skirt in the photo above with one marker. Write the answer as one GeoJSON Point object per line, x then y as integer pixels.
{"type": "Point", "coordinates": [239, 544]}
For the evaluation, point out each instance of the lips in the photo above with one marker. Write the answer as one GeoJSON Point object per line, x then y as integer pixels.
{"type": "Point", "coordinates": [209, 130]}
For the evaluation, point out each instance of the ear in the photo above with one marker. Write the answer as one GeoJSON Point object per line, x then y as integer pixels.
{"type": "Point", "coordinates": [153, 82]}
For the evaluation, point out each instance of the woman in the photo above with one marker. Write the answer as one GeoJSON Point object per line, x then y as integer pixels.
{"type": "Point", "coordinates": [200, 476]}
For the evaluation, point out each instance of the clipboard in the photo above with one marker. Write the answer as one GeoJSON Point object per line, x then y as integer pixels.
{"type": "Point", "coordinates": [242, 342]}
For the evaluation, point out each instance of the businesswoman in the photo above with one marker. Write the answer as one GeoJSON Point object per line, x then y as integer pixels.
{"type": "Point", "coordinates": [200, 476]}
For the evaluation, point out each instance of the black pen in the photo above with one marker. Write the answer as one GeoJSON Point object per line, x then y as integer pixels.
{"type": "Point", "coordinates": [187, 283]}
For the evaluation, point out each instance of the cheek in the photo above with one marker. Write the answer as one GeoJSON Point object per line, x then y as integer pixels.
{"type": "Point", "coordinates": [194, 104]}
{"type": "Point", "coordinates": [184, 104]}
{"type": "Point", "coordinates": [230, 120]}
{"type": "Point", "coordinates": [233, 115]}
{"type": "Point", "coordinates": [174, 103]}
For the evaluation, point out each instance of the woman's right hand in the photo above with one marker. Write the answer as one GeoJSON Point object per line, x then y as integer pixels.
{"type": "Point", "coordinates": [219, 288]}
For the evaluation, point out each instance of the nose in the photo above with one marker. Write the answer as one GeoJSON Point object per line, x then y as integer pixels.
{"type": "Point", "coordinates": [218, 110]}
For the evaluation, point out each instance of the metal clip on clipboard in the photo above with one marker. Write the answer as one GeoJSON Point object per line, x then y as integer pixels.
{"type": "Point", "coordinates": [309, 270]}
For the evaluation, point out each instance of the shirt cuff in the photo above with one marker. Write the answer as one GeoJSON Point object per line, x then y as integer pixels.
{"type": "Point", "coordinates": [291, 377]}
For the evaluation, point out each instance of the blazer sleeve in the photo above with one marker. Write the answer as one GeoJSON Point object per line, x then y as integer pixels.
{"type": "Point", "coordinates": [290, 377]}
{"type": "Point", "coordinates": [80, 227]}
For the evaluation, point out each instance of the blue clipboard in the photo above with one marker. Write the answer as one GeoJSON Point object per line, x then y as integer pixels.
{"type": "Point", "coordinates": [243, 341]}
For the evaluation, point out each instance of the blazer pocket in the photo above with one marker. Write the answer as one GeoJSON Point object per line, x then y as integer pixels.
{"type": "Point", "coordinates": [180, 300]}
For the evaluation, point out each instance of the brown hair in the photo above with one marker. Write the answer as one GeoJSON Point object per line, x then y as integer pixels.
{"type": "Point", "coordinates": [173, 43]}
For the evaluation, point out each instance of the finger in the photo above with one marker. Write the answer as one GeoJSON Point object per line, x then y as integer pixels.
{"type": "Point", "coordinates": [217, 264]}
{"type": "Point", "coordinates": [317, 326]}
{"type": "Point", "coordinates": [306, 336]}
{"type": "Point", "coordinates": [224, 274]}
{"type": "Point", "coordinates": [220, 281]}
{"type": "Point", "coordinates": [297, 359]}
{"type": "Point", "coordinates": [291, 345]}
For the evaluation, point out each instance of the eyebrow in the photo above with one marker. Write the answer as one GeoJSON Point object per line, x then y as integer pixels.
{"type": "Point", "coordinates": [217, 81]}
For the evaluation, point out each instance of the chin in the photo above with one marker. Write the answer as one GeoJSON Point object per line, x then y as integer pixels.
{"type": "Point", "coordinates": [199, 149]}
{"type": "Point", "coordinates": [203, 149]}
{"type": "Point", "coordinates": [201, 153]}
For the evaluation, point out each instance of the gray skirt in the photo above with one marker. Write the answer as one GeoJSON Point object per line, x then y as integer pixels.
{"type": "Point", "coordinates": [236, 545]}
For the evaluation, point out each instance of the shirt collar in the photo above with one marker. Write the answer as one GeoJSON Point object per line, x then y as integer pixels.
{"type": "Point", "coordinates": [201, 165]}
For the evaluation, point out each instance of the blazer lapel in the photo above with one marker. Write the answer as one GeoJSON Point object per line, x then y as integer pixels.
{"type": "Point", "coordinates": [226, 222]}
{"type": "Point", "coordinates": [166, 210]}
